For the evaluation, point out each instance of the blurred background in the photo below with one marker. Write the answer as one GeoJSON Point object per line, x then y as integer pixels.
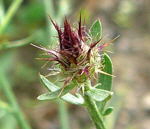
{"type": "Point", "coordinates": [26, 21]}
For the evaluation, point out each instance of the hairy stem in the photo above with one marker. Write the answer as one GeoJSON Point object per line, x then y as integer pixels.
{"type": "Point", "coordinates": [93, 110]}
{"type": "Point", "coordinates": [63, 115]}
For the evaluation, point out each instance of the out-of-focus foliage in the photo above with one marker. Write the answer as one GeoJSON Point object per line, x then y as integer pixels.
{"type": "Point", "coordinates": [129, 18]}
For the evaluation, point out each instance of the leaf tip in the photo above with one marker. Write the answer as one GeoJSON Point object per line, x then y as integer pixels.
{"type": "Point", "coordinates": [39, 98]}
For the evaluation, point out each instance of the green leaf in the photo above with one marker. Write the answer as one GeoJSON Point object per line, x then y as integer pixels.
{"type": "Point", "coordinates": [58, 93]}
{"type": "Point", "coordinates": [106, 80]}
{"type": "Point", "coordinates": [108, 111]}
{"type": "Point", "coordinates": [47, 96]}
{"type": "Point", "coordinates": [67, 97]}
{"type": "Point", "coordinates": [96, 30]}
{"type": "Point", "coordinates": [49, 85]}
{"type": "Point", "coordinates": [99, 94]}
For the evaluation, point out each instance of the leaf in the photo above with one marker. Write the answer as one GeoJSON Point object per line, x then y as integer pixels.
{"type": "Point", "coordinates": [96, 30]}
{"type": "Point", "coordinates": [99, 94]}
{"type": "Point", "coordinates": [68, 97]}
{"type": "Point", "coordinates": [49, 85]}
{"type": "Point", "coordinates": [108, 111]}
{"type": "Point", "coordinates": [106, 80]}
{"type": "Point", "coordinates": [57, 93]}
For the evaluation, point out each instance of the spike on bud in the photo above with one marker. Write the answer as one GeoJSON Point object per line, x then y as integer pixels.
{"type": "Point", "coordinates": [77, 60]}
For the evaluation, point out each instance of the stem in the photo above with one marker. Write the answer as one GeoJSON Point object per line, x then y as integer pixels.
{"type": "Point", "coordinates": [93, 111]}
{"type": "Point", "coordinates": [16, 44]}
{"type": "Point", "coordinates": [13, 102]}
{"type": "Point", "coordinates": [63, 115]}
{"type": "Point", "coordinates": [10, 13]}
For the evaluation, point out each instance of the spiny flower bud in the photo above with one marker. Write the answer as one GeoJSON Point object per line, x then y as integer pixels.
{"type": "Point", "coordinates": [77, 60]}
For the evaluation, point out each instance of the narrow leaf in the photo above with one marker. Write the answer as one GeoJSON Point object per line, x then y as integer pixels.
{"type": "Point", "coordinates": [99, 94]}
{"type": "Point", "coordinates": [49, 85]}
{"type": "Point", "coordinates": [56, 94]}
{"type": "Point", "coordinates": [68, 97]}
{"type": "Point", "coordinates": [96, 30]}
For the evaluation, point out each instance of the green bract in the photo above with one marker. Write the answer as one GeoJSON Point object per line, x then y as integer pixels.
{"type": "Point", "coordinates": [84, 68]}
{"type": "Point", "coordinates": [53, 89]}
{"type": "Point", "coordinates": [96, 30]}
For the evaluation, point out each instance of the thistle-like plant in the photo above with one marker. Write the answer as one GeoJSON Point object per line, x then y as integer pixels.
{"type": "Point", "coordinates": [84, 66]}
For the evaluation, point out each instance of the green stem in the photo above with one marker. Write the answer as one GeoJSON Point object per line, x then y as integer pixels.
{"type": "Point", "coordinates": [10, 13]}
{"type": "Point", "coordinates": [63, 115]}
{"type": "Point", "coordinates": [94, 113]}
{"type": "Point", "coordinates": [16, 44]}
{"type": "Point", "coordinates": [13, 102]}
{"type": "Point", "coordinates": [93, 110]}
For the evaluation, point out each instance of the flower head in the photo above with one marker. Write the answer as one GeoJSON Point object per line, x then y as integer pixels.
{"type": "Point", "coordinates": [77, 60]}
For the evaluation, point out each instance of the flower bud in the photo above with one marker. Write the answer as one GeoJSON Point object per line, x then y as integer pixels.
{"type": "Point", "coordinates": [77, 60]}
